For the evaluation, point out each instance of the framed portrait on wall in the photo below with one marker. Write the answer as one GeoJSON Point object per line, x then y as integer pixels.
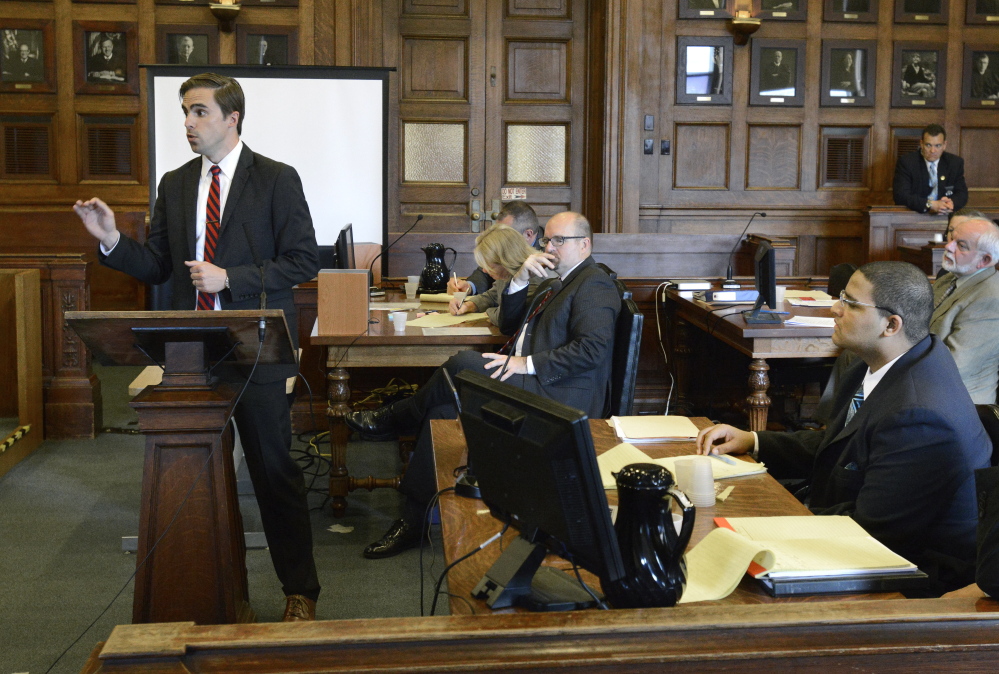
{"type": "Point", "coordinates": [781, 10]}
{"type": "Point", "coordinates": [918, 75]}
{"type": "Point", "coordinates": [980, 87]}
{"type": "Point", "coordinates": [921, 11]}
{"type": "Point", "coordinates": [266, 45]}
{"type": "Point", "coordinates": [187, 44]}
{"type": "Point", "coordinates": [706, 9]}
{"type": "Point", "coordinates": [704, 70]}
{"type": "Point", "coordinates": [27, 56]}
{"type": "Point", "coordinates": [848, 73]}
{"type": "Point", "coordinates": [778, 73]}
{"type": "Point", "coordinates": [983, 11]}
{"type": "Point", "coordinates": [106, 59]}
{"type": "Point", "coordinates": [852, 11]}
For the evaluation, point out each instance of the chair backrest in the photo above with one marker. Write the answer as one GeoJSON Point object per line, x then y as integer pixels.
{"type": "Point", "coordinates": [627, 347]}
{"type": "Point", "coordinates": [607, 270]}
{"type": "Point", "coordinates": [989, 414]}
{"type": "Point", "coordinates": [839, 276]}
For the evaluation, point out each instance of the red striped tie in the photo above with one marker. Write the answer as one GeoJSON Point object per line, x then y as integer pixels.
{"type": "Point", "coordinates": [206, 301]}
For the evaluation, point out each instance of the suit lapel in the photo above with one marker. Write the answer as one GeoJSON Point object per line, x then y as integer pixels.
{"type": "Point", "coordinates": [190, 200]}
{"type": "Point", "coordinates": [243, 168]}
{"type": "Point", "coordinates": [965, 288]}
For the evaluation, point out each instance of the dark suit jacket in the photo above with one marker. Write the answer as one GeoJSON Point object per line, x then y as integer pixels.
{"type": "Point", "coordinates": [987, 484]}
{"type": "Point", "coordinates": [903, 467]}
{"type": "Point", "coordinates": [571, 340]}
{"type": "Point", "coordinates": [912, 181]}
{"type": "Point", "coordinates": [266, 204]}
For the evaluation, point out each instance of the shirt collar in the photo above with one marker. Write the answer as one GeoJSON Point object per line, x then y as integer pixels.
{"type": "Point", "coordinates": [228, 163]}
{"type": "Point", "coordinates": [872, 379]}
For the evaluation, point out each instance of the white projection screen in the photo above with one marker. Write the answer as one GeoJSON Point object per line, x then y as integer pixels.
{"type": "Point", "coordinates": [329, 123]}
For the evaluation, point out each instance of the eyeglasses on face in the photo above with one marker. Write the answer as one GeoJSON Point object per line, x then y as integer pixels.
{"type": "Point", "coordinates": [857, 303]}
{"type": "Point", "coordinates": [558, 240]}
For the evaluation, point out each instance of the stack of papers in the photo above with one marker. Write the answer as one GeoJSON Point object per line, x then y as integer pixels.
{"type": "Point", "coordinates": [625, 454]}
{"type": "Point", "coordinates": [653, 428]}
{"type": "Point", "coordinates": [443, 320]}
{"type": "Point", "coordinates": [811, 321]}
{"type": "Point", "coordinates": [813, 553]}
{"type": "Point", "coordinates": [809, 298]}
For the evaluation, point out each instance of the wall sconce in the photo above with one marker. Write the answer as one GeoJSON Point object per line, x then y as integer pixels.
{"type": "Point", "coordinates": [743, 25]}
{"type": "Point", "coordinates": [226, 12]}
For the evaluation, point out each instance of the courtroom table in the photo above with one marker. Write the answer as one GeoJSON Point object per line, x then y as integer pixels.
{"type": "Point", "coordinates": [725, 323]}
{"type": "Point", "coordinates": [467, 523]}
{"type": "Point", "coordinates": [381, 346]}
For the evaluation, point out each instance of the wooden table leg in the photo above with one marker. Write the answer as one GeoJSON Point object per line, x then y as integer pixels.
{"type": "Point", "coordinates": [758, 401]}
{"type": "Point", "coordinates": [338, 397]}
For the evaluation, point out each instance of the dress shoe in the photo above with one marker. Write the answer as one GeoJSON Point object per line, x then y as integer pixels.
{"type": "Point", "coordinates": [401, 536]}
{"type": "Point", "coordinates": [298, 608]}
{"type": "Point", "coordinates": [375, 425]}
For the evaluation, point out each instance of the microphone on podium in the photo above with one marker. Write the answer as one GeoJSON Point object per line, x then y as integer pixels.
{"type": "Point", "coordinates": [729, 281]}
{"type": "Point", "coordinates": [371, 268]}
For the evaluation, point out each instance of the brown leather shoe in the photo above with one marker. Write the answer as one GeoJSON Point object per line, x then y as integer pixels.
{"type": "Point", "coordinates": [299, 608]}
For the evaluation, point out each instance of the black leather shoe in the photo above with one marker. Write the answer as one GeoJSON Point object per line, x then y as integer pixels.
{"type": "Point", "coordinates": [401, 536]}
{"type": "Point", "coordinates": [374, 425]}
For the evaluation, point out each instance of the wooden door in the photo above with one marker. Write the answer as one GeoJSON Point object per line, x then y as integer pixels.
{"type": "Point", "coordinates": [490, 94]}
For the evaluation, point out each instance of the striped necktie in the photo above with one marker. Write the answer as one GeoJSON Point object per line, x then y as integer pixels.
{"type": "Point", "coordinates": [855, 403]}
{"type": "Point", "coordinates": [206, 301]}
{"type": "Point", "coordinates": [947, 293]}
{"type": "Point", "coordinates": [933, 181]}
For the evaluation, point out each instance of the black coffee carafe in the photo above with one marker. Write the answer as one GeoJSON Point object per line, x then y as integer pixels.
{"type": "Point", "coordinates": [434, 277]}
{"type": "Point", "coordinates": [652, 551]}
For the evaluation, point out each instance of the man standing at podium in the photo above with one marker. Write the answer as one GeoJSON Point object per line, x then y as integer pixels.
{"type": "Point", "coordinates": [224, 224]}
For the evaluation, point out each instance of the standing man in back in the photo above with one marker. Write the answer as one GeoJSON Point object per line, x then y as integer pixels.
{"type": "Point", "coordinates": [217, 220]}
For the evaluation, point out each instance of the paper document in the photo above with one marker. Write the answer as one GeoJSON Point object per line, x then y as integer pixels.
{"type": "Point", "coordinates": [654, 428]}
{"type": "Point", "coordinates": [455, 332]}
{"type": "Point", "coordinates": [808, 546]}
{"type": "Point", "coordinates": [721, 469]}
{"type": "Point", "coordinates": [393, 306]}
{"type": "Point", "coordinates": [439, 298]}
{"type": "Point", "coordinates": [811, 321]}
{"type": "Point", "coordinates": [616, 458]}
{"type": "Point", "coordinates": [443, 320]}
{"type": "Point", "coordinates": [619, 456]}
{"type": "Point", "coordinates": [811, 303]}
{"type": "Point", "coordinates": [797, 547]}
{"type": "Point", "coordinates": [807, 295]}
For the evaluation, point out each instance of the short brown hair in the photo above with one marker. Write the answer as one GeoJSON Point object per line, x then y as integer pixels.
{"type": "Point", "coordinates": [228, 94]}
{"type": "Point", "coordinates": [934, 130]}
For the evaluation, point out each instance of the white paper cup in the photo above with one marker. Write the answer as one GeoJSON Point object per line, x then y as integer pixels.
{"type": "Point", "coordinates": [684, 473]}
{"type": "Point", "coordinates": [938, 237]}
{"type": "Point", "coordinates": [411, 290]}
{"type": "Point", "coordinates": [780, 298]}
{"type": "Point", "coordinates": [702, 488]}
{"type": "Point", "coordinates": [398, 318]}
{"type": "Point", "coordinates": [413, 279]}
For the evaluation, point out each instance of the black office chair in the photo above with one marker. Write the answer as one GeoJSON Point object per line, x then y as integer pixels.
{"type": "Point", "coordinates": [627, 348]}
{"type": "Point", "coordinates": [839, 276]}
{"type": "Point", "coordinates": [989, 414]}
{"type": "Point", "coordinates": [607, 270]}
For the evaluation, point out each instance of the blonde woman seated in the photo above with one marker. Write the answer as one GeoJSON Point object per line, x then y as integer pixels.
{"type": "Point", "coordinates": [500, 251]}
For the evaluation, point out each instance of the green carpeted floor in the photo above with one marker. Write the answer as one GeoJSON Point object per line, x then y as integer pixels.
{"type": "Point", "coordinates": [64, 509]}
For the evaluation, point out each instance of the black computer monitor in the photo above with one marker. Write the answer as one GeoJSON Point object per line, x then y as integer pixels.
{"type": "Point", "coordinates": [345, 247]}
{"type": "Point", "coordinates": [766, 286]}
{"type": "Point", "coordinates": [537, 470]}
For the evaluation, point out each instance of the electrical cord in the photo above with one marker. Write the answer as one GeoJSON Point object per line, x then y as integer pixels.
{"type": "Point", "coordinates": [216, 444]}
{"type": "Point", "coordinates": [482, 546]}
{"type": "Point", "coordinates": [660, 290]}
{"type": "Point", "coordinates": [425, 533]}
{"type": "Point", "coordinates": [601, 604]}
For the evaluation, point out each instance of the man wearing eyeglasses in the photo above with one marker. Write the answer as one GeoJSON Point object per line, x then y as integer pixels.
{"type": "Point", "coordinates": [900, 451]}
{"type": "Point", "coordinates": [563, 352]}
{"type": "Point", "coordinates": [966, 301]}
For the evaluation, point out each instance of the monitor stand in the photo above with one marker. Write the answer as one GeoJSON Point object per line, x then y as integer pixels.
{"type": "Point", "coordinates": [757, 316]}
{"type": "Point", "coordinates": [518, 579]}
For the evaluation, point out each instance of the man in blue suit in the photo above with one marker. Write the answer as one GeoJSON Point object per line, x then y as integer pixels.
{"type": "Point", "coordinates": [931, 180]}
{"type": "Point", "coordinates": [900, 451]}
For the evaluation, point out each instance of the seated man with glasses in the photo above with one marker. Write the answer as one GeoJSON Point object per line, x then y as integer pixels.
{"type": "Point", "coordinates": [563, 353]}
{"type": "Point", "coordinates": [900, 451]}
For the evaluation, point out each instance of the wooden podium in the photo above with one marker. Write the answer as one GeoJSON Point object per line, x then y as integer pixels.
{"type": "Point", "coordinates": [191, 562]}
